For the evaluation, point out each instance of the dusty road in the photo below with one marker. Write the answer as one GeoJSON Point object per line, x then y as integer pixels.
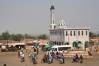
{"type": "Point", "coordinates": [11, 59]}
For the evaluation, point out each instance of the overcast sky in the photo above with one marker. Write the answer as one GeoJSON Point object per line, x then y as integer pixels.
{"type": "Point", "coordinates": [33, 16]}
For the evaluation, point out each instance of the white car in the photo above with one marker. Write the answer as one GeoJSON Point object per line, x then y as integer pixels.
{"type": "Point", "coordinates": [60, 48]}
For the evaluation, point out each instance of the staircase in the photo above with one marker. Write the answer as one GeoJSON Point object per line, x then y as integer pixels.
{"type": "Point", "coordinates": [72, 53]}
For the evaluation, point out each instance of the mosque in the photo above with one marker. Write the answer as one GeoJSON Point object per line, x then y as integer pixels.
{"type": "Point", "coordinates": [62, 34]}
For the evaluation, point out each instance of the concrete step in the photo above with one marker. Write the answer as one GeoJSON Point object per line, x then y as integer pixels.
{"type": "Point", "coordinates": [72, 53]}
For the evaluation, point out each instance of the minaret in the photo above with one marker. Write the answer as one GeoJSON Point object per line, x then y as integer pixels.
{"type": "Point", "coordinates": [52, 20]}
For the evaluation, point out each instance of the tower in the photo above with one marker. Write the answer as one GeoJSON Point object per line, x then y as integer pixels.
{"type": "Point", "coordinates": [62, 24]}
{"type": "Point", "coordinates": [52, 18]}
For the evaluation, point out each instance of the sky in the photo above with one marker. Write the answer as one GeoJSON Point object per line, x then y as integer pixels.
{"type": "Point", "coordinates": [33, 16]}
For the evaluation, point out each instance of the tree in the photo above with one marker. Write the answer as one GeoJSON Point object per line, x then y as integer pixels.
{"type": "Point", "coordinates": [91, 34]}
{"type": "Point", "coordinates": [27, 36]}
{"type": "Point", "coordinates": [97, 35]}
{"type": "Point", "coordinates": [1, 38]}
{"type": "Point", "coordinates": [12, 37]}
{"type": "Point", "coordinates": [34, 37]}
{"type": "Point", "coordinates": [18, 37]}
{"type": "Point", "coordinates": [5, 35]}
{"type": "Point", "coordinates": [43, 36]}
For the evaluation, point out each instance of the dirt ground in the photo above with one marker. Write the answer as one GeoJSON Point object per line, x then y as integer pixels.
{"type": "Point", "coordinates": [11, 59]}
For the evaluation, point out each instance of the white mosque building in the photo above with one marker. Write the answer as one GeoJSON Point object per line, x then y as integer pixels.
{"type": "Point", "coordinates": [64, 35]}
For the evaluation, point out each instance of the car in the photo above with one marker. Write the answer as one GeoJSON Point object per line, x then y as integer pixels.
{"type": "Point", "coordinates": [60, 48]}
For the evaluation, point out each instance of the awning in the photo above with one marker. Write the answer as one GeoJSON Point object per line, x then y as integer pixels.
{"type": "Point", "coordinates": [14, 44]}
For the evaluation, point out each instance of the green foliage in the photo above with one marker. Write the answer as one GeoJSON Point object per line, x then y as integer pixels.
{"type": "Point", "coordinates": [5, 35]}
{"type": "Point", "coordinates": [1, 38]}
{"type": "Point", "coordinates": [43, 36]}
{"type": "Point", "coordinates": [18, 37]}
{"type": "Point", "coordinates": [27, 36]}
{"type": "Point", "coordinates": [91, 34]}
{"type": "Point", "coordinates": [97, 35]}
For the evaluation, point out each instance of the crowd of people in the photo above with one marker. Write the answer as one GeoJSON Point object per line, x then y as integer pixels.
{"type": "Point", "coordinates": [48, 57]}
{"type": "Point", "coordinates": [77, 58]}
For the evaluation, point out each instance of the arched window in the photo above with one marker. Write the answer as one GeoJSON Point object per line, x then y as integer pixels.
{"type": "Point", "coordinates": [66, 33]}
{"type": "Point", "coordinates": [54, 26]}
{"type": "Point", "coordinates": [71, 33]}
{"type": "Point", "coordinates": [82, 33]}
{"type": "Point", "coordinates": [86, 33]}
{"type": "Point", "coordinates": [74, 33]}
{"type": "Point", "coordinates": [78, 33]}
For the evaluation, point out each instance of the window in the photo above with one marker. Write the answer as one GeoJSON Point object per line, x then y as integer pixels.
{"type": "Point", "coordinates": [63, 48]}
{"type": "Point", "coordinates": [78, 32]}
{"type": "Point", "coordinates": [82, 33]}
{"type": "Point", "coordinates": [74, 33]}
{"type": "Point", "coordinates": [54, 26]}
{"type": "Point", "coordinates": [86, 32]}
{"type": "Point", "coordinates": [66, 33]}
{"type": "Point", "coordinates": [71, 33]}
{"type": "Point", "coordinates": [54, 49]}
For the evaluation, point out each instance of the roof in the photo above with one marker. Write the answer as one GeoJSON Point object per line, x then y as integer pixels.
{"type": "Point", "coordinates": [14, 44]}
{"type": "Point", "coordinates": [71, 28]}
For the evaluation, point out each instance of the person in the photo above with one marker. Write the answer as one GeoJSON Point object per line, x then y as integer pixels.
{"type": "Point", "coordinates": [57, 53]}
{"type": "Point", "coordinates": [49, 58]}
{"type": "Point", "coordinates": [61, 58]}
{"type": "Point", "coordinates": [75, 58]}
{"type": "Point", "coordinates": [81, 59]}
{"type": "Point", "coordinates": [4, 65]}
{"type": "Point", "coordinates": [18, 54]}
{"type": "Point", "coordinates": [34, 49]}
{"type": "Point", "coordinates": [89, 52]}
{"type": "Point", "coordinates": [33, 56]}
{"type": "Point", "coordinates": [53, 54]}
{"type": "Point", "coordinates": [22, 56]}
{"type": "Point", "coordinates": [44, 58]}
{"type": "Point", "coordinates": [37, 51]}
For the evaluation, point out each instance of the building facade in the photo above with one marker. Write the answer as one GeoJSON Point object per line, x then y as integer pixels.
{"type": "Point", "coordinates": [64, 35]}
